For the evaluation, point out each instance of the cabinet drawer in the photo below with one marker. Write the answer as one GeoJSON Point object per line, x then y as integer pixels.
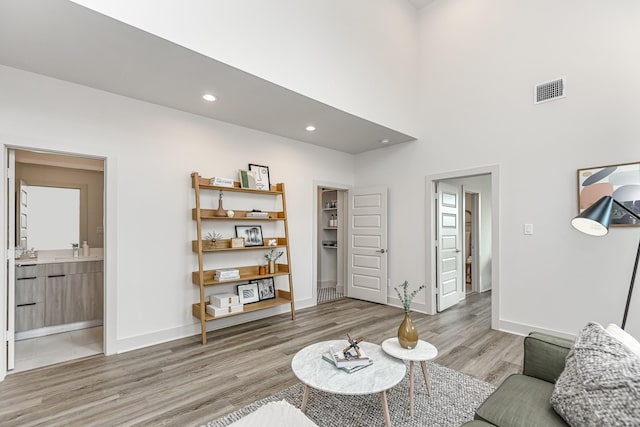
{"type": "Point", "coordinates": [74, 268]}
{"type": "Point", "coordinates": [30, 289]}
{"type": "Point", "coordinates": [29, 270]}
{"type": "Point", "coordinates": [29, 316]}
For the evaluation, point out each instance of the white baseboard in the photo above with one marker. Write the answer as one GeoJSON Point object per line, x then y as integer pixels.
{"type": "Point", "coordinates": [524, 329]}
{"type": "Point", "coordinates": [159, 337]}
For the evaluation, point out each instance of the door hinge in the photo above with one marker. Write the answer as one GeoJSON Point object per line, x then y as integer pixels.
{"type": "Point", "coordinates": [10, 253]}
{"type": "Point", "coordinates": [8, 336]}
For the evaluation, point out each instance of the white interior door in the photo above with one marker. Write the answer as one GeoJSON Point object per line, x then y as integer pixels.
{"type": "Point", "coordinates": [449, 246]}
{"type": "Point", "coordinates": [367, 244]}
{"type": "Point", "coordinates": [11, 264]}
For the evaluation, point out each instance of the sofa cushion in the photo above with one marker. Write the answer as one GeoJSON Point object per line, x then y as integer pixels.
{"type": "Point", "coordinates": [520, 401]}
{"type": "Point", "coordinates": [600, 385]}
{"type": "Point", "coordinates": [544, 356]}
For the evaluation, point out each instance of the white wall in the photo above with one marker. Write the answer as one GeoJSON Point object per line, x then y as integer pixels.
{"type": "Point", "coordinates": [479, 62]}
{"type": "Point", "coordinates": [358, 55]}
{"type": "Point", "coordinates": [150, 152]}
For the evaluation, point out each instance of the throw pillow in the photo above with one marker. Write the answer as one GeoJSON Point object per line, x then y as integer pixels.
{"type": "Point", "coordinates": [624, 338]}
{"type": "Point", "coordinates": [600, 385]}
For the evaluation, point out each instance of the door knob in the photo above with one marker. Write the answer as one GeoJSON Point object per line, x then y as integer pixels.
{"type": "Point", "coordinates": [458, 251]}
{"type": "Point", "coordinates": [381, 251]}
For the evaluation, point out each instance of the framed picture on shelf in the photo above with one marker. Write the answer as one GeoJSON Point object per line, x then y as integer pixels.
{"type": "Point", "coordinates": [621, 181]}
{"type": "Point", "coordinates": [248, 293]}
{"type": "Point", "coordinates": [252, 234]}
{"type": "Point", "coordinates": [247, 179]}
{"type": "Point", "coordinates": [237, 242]}
{"type": "Point", "coordinates": [262, 177]}
{"type": "Point", "coordinates": [266, 288]}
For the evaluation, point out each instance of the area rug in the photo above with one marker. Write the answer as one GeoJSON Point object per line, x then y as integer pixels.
{"type": "Point", "coordinates": [455, 397]}
{"type": "Point", "coordinates": [328, 294]}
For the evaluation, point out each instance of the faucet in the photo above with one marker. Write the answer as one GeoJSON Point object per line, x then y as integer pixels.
{"type": "Point", "coordinates": [76, 249]}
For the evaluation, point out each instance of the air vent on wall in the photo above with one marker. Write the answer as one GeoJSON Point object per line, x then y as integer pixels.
{"type": "Point", "coordinates": [550, 91]}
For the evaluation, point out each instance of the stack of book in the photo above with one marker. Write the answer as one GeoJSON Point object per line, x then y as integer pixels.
{"type": "Point", "coordinates": [255, 214]}
{"type": "Point", "coordinates": [349, 362]}
{"type": "Point", "coordinates": [227, 274]}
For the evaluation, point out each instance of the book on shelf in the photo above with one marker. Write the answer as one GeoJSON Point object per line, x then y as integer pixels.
{"type": "Point", "coordinates": [257, 215]}
{"type": "Point", "coordinates": [227, 274]}
{"type": "Point", "coordinates": [343, 361]}
{"type": "Point", "coordinates": [348, 369]}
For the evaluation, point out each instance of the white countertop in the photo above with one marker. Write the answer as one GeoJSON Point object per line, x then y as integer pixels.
{"type": "Point", "coordinates": [63, 255]}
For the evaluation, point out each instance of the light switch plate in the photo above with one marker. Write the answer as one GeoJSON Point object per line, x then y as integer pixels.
{"type": "Point", "coordinates": [528, 229]}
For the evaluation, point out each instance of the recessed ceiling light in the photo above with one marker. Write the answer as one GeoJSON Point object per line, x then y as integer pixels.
{"type": "Point", "coordinates": [310, 128]}
{"type": "Point", "coordinates": [208, 97]}
{"type": "Point", "coordinates": [384, 141]}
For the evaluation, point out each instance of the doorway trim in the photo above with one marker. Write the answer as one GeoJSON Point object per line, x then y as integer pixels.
{"type": "Point", "coordinates": [317, 185]}
{"type": "Point", "coordinates": [430, 227]}
{"type": "Point", "coordinates": [109, 344]}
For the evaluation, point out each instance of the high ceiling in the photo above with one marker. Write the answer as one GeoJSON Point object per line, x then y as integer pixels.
{"type": "Point", "coordinates": [61, 39]}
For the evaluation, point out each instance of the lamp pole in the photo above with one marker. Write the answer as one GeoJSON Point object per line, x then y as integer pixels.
{"type": "Point", "coordinates": [635, 267]}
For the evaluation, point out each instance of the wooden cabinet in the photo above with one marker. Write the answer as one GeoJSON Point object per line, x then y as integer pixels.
{"type": "Point", "coordinates": [58, 293]}
{"type": "Point", "coordinates": [206, 278]}
{"type": "Point", "coordinates": [74, 292]}
{"type": "Point", "coordinates": [29, 297]}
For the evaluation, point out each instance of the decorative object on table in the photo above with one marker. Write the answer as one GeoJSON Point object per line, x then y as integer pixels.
{"type": "Point", "coordinates": [222, 182]}
{"type": "Point", "coordinates": [347, 360]}
{"type": "Point", "coordinates": [230, 213]}
{"type": "Point", "coordinates": [348, 369]}
{"type": "Point", "coordinates": [353, 346]}
{"type": "Point", "coordinates": [261, 176]}
{"type": "Point", "coordinates": [272, 242]}
{"type": "Point", "coordinates": [223, 274]}
{"type": "Point", "coordinates": [266, 288]}
{"type": "Point", "coordinates": [247, 179]}
{"type": "Point", "coordinates": [220, 211]}
{"type": "Point", "coordinates": [262, 270]}
{"type": "Point", "coordinates": [595, 221]}
{"type": "Point", "coordinates": [248, 293]}
{"type": "Point", "coordinates": [407, 332]}
{"type": "Point", "coordinates": [252, 234]}
{"type": "Point", "coordinates": [237, 242]}
{"type": "Point", "coordinates": [271, 257]}
{"type": "Point", "coordinates": [622, 182]}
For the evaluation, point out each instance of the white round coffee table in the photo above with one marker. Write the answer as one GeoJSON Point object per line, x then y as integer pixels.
{"type": "Point", "coordinates": [421, 353]}
{"type": "Point", "coordinates": [313, 371]}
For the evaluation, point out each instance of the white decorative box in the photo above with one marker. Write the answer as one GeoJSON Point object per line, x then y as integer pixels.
{"type": "Point", "coordinates": [224, 311]}
{"type": "Point", "coordinates": [223, 300]}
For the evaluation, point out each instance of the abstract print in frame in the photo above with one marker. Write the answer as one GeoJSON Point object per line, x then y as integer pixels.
{"type": "Point", "coordinates": [620, 181]}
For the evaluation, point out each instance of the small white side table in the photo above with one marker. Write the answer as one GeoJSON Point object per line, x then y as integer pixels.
{"type": "Point", "coordinates": [421, 353]}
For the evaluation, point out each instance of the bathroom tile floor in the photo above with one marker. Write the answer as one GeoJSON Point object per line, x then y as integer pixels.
{"type": "Point", "coordinates": [51, 349]}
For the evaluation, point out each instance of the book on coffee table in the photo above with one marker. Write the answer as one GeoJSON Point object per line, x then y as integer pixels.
{"type": "Point", "coordinates": [343, 360]}
{"type": "Point", "coordinates": [349, 369]}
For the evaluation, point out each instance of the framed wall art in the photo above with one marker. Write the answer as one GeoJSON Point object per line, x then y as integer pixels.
{"type": "Point", "coordinates": [252, 234]}
{"type": "Point", "coordinates": [248, 293]}
{"type": "Point", "coordinates": [263, 182]}
{"type": "Point", "coordinates": [622, 182]}
{"type": "Point", "coordinates": [266, 288]}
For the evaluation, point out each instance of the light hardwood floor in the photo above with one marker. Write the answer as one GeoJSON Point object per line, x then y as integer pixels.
{"type": "Point", "coordinates": [183, 383]}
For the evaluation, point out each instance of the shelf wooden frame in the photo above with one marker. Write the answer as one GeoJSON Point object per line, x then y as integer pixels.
{"type": "Point", "coordinates": [203, 278]}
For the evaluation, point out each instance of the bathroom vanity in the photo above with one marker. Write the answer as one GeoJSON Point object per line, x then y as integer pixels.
{"type": "Point", "coordinates": [55, 295]}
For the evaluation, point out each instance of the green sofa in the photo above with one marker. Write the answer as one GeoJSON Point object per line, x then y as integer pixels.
{"type": "Point", "coordinates": [523, 399]}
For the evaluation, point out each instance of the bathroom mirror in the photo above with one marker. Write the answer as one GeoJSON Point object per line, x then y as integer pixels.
{"type": "Point", "coordinates": [52, 217]}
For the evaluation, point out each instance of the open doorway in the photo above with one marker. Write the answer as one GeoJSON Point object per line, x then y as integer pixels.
{"type": "Point", "coordinates": [56, 274]}
{"type": "Point", "coordinates": [447, 219]}
{"type": "Point", "coordinates": [331, 267]}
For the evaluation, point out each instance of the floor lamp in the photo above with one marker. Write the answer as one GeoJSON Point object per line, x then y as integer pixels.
{"type": "Point", "coordinates": [595, 222]}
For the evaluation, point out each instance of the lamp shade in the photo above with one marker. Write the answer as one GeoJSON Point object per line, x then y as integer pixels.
{"type": "Point", "coordinates": [595, 219]}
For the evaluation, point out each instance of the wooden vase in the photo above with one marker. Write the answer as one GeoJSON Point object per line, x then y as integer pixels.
{"type": "Point", "coordinates": [407, 333]}
{"type": "Point", "coordinates": [272, 267]}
